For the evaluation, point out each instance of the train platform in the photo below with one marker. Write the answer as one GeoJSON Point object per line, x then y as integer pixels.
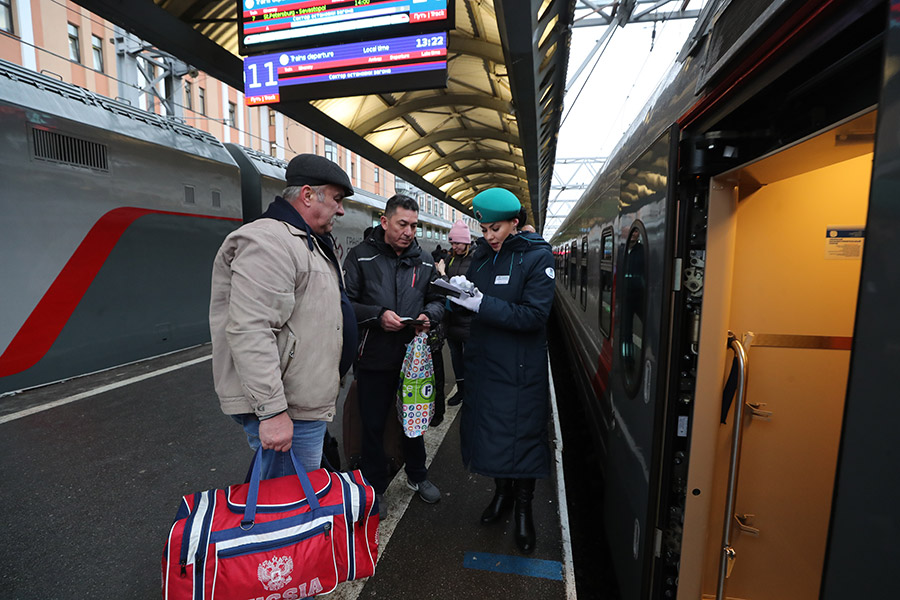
{"type": "Point", "coordinates": [93, 470]}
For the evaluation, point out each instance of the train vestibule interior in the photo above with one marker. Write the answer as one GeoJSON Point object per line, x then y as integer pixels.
{"type": "Point", "coordinates": [784, 251]}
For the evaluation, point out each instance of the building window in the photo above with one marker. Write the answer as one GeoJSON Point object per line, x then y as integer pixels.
{"type": "Point", "coordinates": [6, 20]}
{"type": "Point", "coordinates": [232, 114]}
{"type": "Point", "coordinates": [273, 149]}
{"type": "Point", "coordinates": [330, 150]}
{"type": "Point", "coordinates": [376, 174]}
{"type": "Point", "coordinates": [188, 95]}
{"type": "Point", "coordinates": [74, 46]}
{"type": "Point", "coordinates": [97, 50]}
{"type": "Point", "coordinates": [201, 100]}
{"type": "Point", "coordinates": [352, 170]}
{"type": "Point", "coordinates": [271, 118]}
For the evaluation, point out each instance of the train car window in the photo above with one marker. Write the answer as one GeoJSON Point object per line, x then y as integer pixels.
{"type": "Point", "coordinates": [584, 271]}
{"type": "Point", "coordinates": [633, 306]}
{"type": "Point", "coordinates": [216, 199]}
{"type": "Point", "coordinates": [606, 280]}
{"type": "Point", "coordinates": [189, 194]}
{"type": "Point", "coordinates": [573, 269]}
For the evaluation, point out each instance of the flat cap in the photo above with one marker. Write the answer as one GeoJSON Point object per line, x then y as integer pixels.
{"type": "Point", "coordinates": [496, 204]}
{"type": "Point", "coordinates": [311, 169]}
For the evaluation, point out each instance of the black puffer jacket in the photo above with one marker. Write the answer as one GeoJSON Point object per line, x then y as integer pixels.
{"type": "Point", "coordinates": [377, 279]}
{"type": "Point", "coordinates": [505, 412]}
{"type": "Point", "coordinates": [457, 319]}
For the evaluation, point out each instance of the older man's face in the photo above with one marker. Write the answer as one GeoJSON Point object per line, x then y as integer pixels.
{"type": "Point", "coordinates": [324, 208]}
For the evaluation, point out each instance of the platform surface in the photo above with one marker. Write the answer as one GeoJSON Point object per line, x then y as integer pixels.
{"type": "Point", "coordinates": [93, 470]}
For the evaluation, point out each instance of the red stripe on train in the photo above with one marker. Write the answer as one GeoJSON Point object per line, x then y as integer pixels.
{"type": "Point", "coordinates": [51, 314]}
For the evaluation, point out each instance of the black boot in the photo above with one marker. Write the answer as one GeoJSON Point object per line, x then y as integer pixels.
{"type": "Point", "coordinates": [457, 398]}
{"type": "Point", "coordinates": [502, 502]}
{"type": "Point", "coordinates": [524, 492]}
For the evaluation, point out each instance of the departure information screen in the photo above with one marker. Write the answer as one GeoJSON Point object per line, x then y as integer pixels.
{"type": "Point", "coordinates": [406, 63]}
{"type": "Point", "coordinates": [266, 25]}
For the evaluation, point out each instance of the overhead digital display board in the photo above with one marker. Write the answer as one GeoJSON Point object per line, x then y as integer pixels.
{"type": "Point", "coordinates": [407, 63]}
{"type": "Point", "coordinates": [269, 25]}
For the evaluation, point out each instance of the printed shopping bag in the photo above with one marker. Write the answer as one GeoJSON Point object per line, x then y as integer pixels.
{"type": "Point", "coordinates": [415, 397]}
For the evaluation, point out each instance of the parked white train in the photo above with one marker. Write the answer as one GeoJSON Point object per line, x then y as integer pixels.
{"type": "Point", "coordinates": [111, 217]}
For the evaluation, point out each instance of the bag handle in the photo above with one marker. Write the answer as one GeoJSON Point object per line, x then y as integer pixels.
{"type": "Point", "coordinates": [253, 491]}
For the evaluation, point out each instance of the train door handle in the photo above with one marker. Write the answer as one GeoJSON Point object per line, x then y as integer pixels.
{"type": "Point", "coordinates": [727, 554]}
{"type": "Point", "coordinates": [755, 409]}
{"type": "Point", "coordinates": [743, 523]}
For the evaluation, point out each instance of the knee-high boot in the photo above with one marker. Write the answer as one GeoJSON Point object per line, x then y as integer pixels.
{"type": "Point", "coordinates": [502, 501]}
{"type": "Point", "coordinates": [524, 492]}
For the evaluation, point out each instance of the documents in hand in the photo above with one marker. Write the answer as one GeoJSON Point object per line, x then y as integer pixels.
{"type": "Point", "coordinates": [448, 289]}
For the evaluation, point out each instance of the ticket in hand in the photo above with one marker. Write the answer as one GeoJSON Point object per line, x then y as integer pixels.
{"type": "Point", "coordinates": [448, 289]}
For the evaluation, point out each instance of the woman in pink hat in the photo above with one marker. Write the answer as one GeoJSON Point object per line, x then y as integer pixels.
{"type": "Point", "coordinates": [458, 318]}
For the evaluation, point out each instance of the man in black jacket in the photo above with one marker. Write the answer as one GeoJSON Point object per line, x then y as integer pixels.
{"type": "Point", "coordinates": [387, 279]}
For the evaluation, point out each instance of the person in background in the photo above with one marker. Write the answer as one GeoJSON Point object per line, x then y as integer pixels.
{"type": "Point", "coordinates": [388, 278]}
{"type": "Point", "coordinates": [457, 318]}
{"type": "Point", "coordinates": [276, 292]}
{"type": "Point", "coordinates": [527, 229]}
{"type": "Point", "coordinates": [504, 416]}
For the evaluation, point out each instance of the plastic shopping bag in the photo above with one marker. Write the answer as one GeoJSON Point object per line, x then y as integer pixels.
{"type": "Point", "coordinates": [415, 396]}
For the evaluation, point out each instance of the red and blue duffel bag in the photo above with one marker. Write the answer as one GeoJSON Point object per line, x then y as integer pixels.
{"type": "Point", "coordinates": [277, 539]}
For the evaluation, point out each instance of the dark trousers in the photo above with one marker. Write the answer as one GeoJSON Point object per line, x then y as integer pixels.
{"type": "Point", "coordinates": [456, 357]}
{"type": "Point", "coordinates": [437, 363]}
{"type": "Point", "coordinates": [377, 390]}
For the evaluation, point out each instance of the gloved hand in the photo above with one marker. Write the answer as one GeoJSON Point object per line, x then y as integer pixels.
{"type": "Point", "coordinates": [472, 302]}
{"type": "Point", "coordinates": [462, 283]}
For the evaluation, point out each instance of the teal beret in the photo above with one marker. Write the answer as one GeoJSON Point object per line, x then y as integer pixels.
{"type": "Point", "coordinates": [496, 204]}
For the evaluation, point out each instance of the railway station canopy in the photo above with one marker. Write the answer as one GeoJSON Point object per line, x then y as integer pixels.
{"type": "Point", "coordinates": [495, 124]}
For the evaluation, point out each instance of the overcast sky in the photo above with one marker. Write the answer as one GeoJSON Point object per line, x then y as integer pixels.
{"type": "Point", "coordinates": [626, 75]}
{"type": "Point", "coordinates": [606, 98]}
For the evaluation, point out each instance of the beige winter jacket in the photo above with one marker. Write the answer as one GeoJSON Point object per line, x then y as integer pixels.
{"type": "Point", "coordinates": [275, 319]}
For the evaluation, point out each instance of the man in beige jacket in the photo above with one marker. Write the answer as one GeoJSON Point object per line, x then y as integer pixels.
{"type": "Point", "coordinates": [282, 330]}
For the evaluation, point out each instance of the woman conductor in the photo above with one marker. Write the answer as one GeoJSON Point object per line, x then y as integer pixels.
{"type": "Point", "coordinates": [506, 406]}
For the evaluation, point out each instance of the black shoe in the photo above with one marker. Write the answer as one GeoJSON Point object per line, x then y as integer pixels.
{"type": "Point", "coordinates": [436, 420]}
{"type": "Point", "coordinates": [501, 503]}
{"type": "Point", "coordinates": [457, 398]}
{"type": "Point", "coordinates": [524, 525]}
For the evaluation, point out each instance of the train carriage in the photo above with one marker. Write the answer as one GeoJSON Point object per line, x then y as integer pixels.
{"type": "Point", "coordinates": [111, 218]}
{"type": "Point", "coordinates": [727, 230]}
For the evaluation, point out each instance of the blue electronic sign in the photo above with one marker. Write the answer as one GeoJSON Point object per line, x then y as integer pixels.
{"type": "Point", "coordinates": [411, 62]}
{"type": "Point", "coordinates": [266, 25]}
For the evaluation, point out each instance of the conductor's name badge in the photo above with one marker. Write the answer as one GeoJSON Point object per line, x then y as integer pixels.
{"type": "Point", "coordinates": [501, 279]}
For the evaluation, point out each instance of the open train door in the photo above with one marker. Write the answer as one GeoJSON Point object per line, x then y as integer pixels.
{"type": "Point", "coordinates": [643, 283]}
{"type": "Point", "coordinates": [783, 258]}
{"type": "Point", "coordinates": [861, 556]}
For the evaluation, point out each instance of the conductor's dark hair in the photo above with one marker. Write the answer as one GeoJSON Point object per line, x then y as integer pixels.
{"type": "Point", "coordinates": [523, 218]}
{"type": "Point", "coordinates": [399, 201]}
